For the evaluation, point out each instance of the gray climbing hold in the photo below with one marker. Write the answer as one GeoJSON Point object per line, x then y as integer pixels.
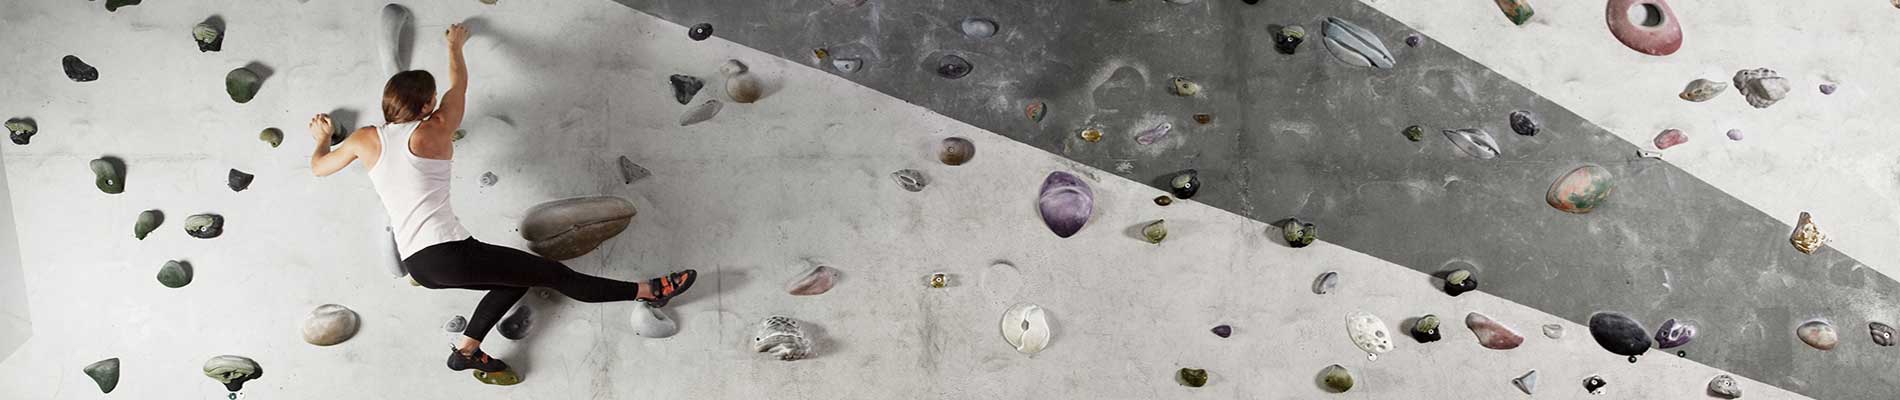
{"type": "Point", "coordinates": [1354, 45]}
{"type": "Point", "coordinates": [148, 221]}
{"type": "Point", "coordinates": [1882, 333]}
{"type": "Point", "coordinates": [1762, 87]}
{"type": "Point", "coordinates": [781, 337]}
{"type": "Point", "coordinates": [456, 324]}
{"type": "Point", "coordinates": [489, 179]}
{"type": "Point", "coordinates": [1619, 334]}
{"type": "Point", "coordinates": [1185, 88]}
{"type": "Point", "coordinates": [847, 3]}
{"type": "Point", "coordinates": [105, 373]}
{"type": "Point", "coordinates": [1818, 334]}
{"type": "Point", "coordinates": [209, 35]}
{"type": "Point", "coordinates": [813, 282]}
{"type": "Point", "coordinates": [1326, 282]}
{"type": "Point", "coordinates": [847, 65]}
{"type": "Point", "coordinates": [630, 172]}
{"type": "Point", "coordinates": [515, 326]}
{"type": "Point", "coordinates": [233, 371]}
{"type": "Point", "coordinates": [238, 180]}
{"type": "Point", "coordinates": [1725, 386]}
{"type": "Point", "coordinates": [978, 27]}
{"type": "Point", "coordinates": [242, 84]}
{"type": "Point", "coordinates": [704, 112]}
{"type": "Point", "coordinates": [1526, 383]}
{"type": "Point", "coordinates": [175, 274]}
{"type": "Point", "coordinates": [273, 136]}
{"type": "Point", "coordinates": [1701, 90]}
{"type": "Point", "coordinates": [1474, 142]}
{"type": "Point", "coordinates": [1829, 88]}
{"type": "Point", "coordinates": [652, 323]}
{"type": "Point", "coordinates": [911, 180]}
{"type": "Point", "coordinates": [108, 174]}
{"type": "Point", "coordinates": [568, 228]}
{"type": "Point", "coordinates": [685, 87]}
{"type": "Point", "coordinates": [1554, 331]}
{"type": "Point", "coordinates": [204, 226]}
{"type": "Point", "coordinates": [21, 130]}
{"type": "Point", "coordinates": [394, 20]}
{"type": "Point", "coordinates": [330, 324]}
{"type": "Point", "coordinates": [952, 66]}
{"type": "Point", "coordinates": [1524, 123]}
{"type": "Point", "coordinates": [743, 88]}
{"type": "Point", "coordinates": [78, 70]}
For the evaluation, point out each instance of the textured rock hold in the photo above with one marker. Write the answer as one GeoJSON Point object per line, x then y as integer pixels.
{"type": "Point", "coordinates": [1297, 233]}
{"type": "Point", "coordinates": [108, 174]}
{"type": "Point", "coordinates": [1152, 135]}
{"type": "Point", "coordinates": [685, 87]}
{"type": "Point", "coordinates": [568, 228]}
{"type": "Point", "coordinates": [1185, 88]}
{"type": "Point", "coordinates": [1368, 332]}
{"type": "Point", "coordinates": [955, 151]}
{"type": "Point", "coordinates": [1619, 334]}
{"type": "Point", "coordinates": [1185, 184]}
{"type": "Point", "coordinates": [78, 70]}
{"type": "Point", "coordinates": [456, 324]}
{"type": "Point", "coordinates": [242, 84]}
{"type": "Point", "coordinates": [1655, 32]}
{"type": "Point", "coordinates": [1287, 39]}
{"type": "Point", "coordinates": [1581, 190]}
{"type": "Point", "coordinates": [1674, 334]}
{"type": "Point", "coordinates": [699, 32]}
{"type": "Point", "coordinates": [273, 136]}
{"type": "Point", "coordinates": [204, 226]}
{"type": "Point", "coordinates": [105, 373]}
{"type": "Point", "coordinates": [209, 35]}
{"type": "Point", "coordinates": [704, 112]}
{"type": "Point", "coordinates": [1527, 382]}
{"type": "Point", "coordinates": [517, 324]}
{"type": "Point", "coordinates": [1524, 123]}
{"type": "Point", "coordinates": [21, 130]}
{"type": "Point", "coordinates": [1518, 11]}
{"type": "Point", "coordinates": [1491, 333]}
{"type": "Point", "coordinates": [1326, 282]}
{"type": "Point", "coordinates": [1223, 331]}
{"type": "Point", "coordinates": [233, 371]}
{"type": "Point", "coordinates": [1818, 334]}
{"type": "Point", "coordinates": [1414, 133]}
{"type": "Point", "coordinates": [1337, 378]}
{"type": "Point", "coordinates": [813, 282]}
{"type": "Point", "coordinates": [652, 323]}
{"type": "Point", "coordinates": [1670, 138]}
{"type": "Point", "coordinates": [1192, 377]}
{"type": "Point", "coordinates": [952, 66]}
{"type": "Point", "coordinates": [1155, 232]}
{"type": "Point", "coordinates": [1025, 328]}
{"type": "Point", "coordinates": [148, 221]}
{"type": "Point", "coordinates": [238, 180]}
{"type": "Point", "coordinates": [1807, 236]}
{"type": "Point", "coordinates": [329, 325]}
{"type": "Point", "coordinates": [1474, 142]}
{"type": "Point", "coordinates": [1459, 282]}
{"type": "Point", "coordinates": [1882, 333]}
{"type": "Point", "coordinates": [1701, 90]}
{"type": "Point", "coordinates": [1354, 45]}
{"type": "Point", "coordinates": [1065, 203]}
{"type": "Point", "coordinates": [1425, 330]}
{"type": "Point", "coordinates": [630, 172]}
{"type": "Point", "coordinates": [911, 180]}
{"type": "Point", "coordinates": [1594, 384]}
{"type": "Point", "coordinates": [1724, 386]}
{"type": "Point", "coordinates": [781, 337]}
{"type": "Point", "coordinates": [175, 274]}
{"type": "Point", "coordinates": [1762, 87]}
{"type": "Point", "coordinates": [978, 27]}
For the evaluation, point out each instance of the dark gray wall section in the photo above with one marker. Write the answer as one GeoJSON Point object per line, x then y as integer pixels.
{"type": "Point", "coordinates": [1304, 135]}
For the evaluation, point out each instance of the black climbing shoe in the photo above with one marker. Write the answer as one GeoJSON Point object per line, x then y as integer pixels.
{"type": "Point", "coordinates": [669, 286]}
{"type": "Point", "coordinates": [479, 360]}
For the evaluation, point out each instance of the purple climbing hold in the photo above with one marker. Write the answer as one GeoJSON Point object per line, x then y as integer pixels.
{"type": "Point", "coordinates": [1155, 134]}
{"type": "Point", "coordinates": [1066, 203]}
{"type": "Point", "coordinates": [1223, 331]}
{"type": "Point", "coordinates": [1735, 134]}
{"type": "Point", "coordinates": [1674, 334]}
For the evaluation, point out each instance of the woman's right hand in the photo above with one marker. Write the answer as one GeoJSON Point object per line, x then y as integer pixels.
{"type": "Point", "coordinates": [456, 35]}
{"type": "Point", "coordinates": [322, 129]}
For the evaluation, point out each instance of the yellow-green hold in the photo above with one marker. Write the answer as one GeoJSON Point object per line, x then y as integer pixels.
{"type": "Point", "coordinates": [1338, 379]}
{"type": "Point", "coordinates": [1156, 231]}
{"type": "Point", "coordinates": [1193, 377]}
{"type": "Point", "coordinates": [501, 378]}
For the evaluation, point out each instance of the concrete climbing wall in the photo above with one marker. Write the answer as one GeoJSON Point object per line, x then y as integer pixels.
{"type": "Point", "coordinates": [16, 322]}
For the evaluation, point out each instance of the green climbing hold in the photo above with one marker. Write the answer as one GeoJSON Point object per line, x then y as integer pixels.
{"type": "Point", "coordinates": [149, 220]}
{"type": "Point", "coordinates": [1299, 234]}
{"type": "Point", "coordinates": [209, 35]}
{"type": "Point", "coordinates": [109, 174]}
{"type": "Point", "coordinates": [1519, 11]}
{"type": "Point", "coordinates": [113, 5]}
{"type": "Point", "coordinates": [105, 373]}
{"type": "Point", "coordinates": [242, 84]}
{"type": "Point", "coordinates": [175, 274]}
{"type": "Point", "coordinates": [21, 130]}
{"type": "Point", "coordinates": [1414, 133]}
{"type": "Point", "coordinates": [1337, 378]}
{"type": "Point", "coordinates": [273, 136]}
{"type": "Point", "coordinates": [1156, 231]}
{"type": "Point", "coordinates": [459, 134]}
{"type": "Point", "coordinates": [1192, 377]}
{"type": "Point", "coordinates": [501, 378]}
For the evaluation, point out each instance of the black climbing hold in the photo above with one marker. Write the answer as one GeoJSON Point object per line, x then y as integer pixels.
{"type": "Point", "coordinates": [113, 5]}
{"type": "Point", "coordinates": [204, 226]}
{"type": "Point", "coordinates": [1619, 334]}
{"type": "Point", "coordinates": [700, 32]}
{"type": "Point", "coordinates": [1425, 330]}
{"type": "Point", "coordinates": [1459, 282]}
{"type": "Point", "coordinates": [1287, 39]}
{"type": "Point", "coordinates": [685, 87]}
{"type": "Point", "coordinates": [238, 180]}
{"type": "Point", "coordinates": [78, 70]}
{"type": "Point", "coordinates": [21, 130]}
{"type": "Point", "coordinates": [1594, 384]}
{"type": "Point", "coordinates": [1185, 184]}
{"type": "Point", "coordinates": [1524, 124]}
{"type": "Point", "coordinates": [952, 66]}
{"type": "Point", "coordinates": [1223, 331]}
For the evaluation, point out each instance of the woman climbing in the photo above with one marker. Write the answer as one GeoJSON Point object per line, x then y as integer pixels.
{"type": "Point", "coordinates": [411, 176]}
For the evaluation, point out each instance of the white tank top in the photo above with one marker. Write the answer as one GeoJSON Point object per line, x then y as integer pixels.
{"type": "Point", "coordinates": [415, 192]}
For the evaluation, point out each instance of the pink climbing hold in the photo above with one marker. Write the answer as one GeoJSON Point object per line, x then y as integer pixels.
{"type": "Point", "coordinates": [1670, 138]}
{"type": "Point", "coordinates": [1652, 30]}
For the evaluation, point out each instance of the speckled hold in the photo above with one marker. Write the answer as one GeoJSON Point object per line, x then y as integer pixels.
{"type": "Point", "coordinates": [1735, 134]}
{"type": "Point", "coordinates": [78, 70]}
{"type": "Point", "coordinates": [1594, 384]}
{"type": "Point", "coordinates": [1090, 135]}
{"type": "Point", "coordinates": [148, 221]}
{"type": "Point", "coordinates": [1193, 377]}
{"type": "Point", "coordinates": [204, 226]}
{"type": "Point", "coordinates": [911, 180]}
{"type": "Point", "coordinates": [516, 325]}
{"type": "Point", "coordinates": [1518, 11]}
{"type": "Point", "coordinates": [1414, 133]}
{"type": "Point", "coordinates": [1657, 33]}
{"type": "Point", "coordinates": [489, 179]}
{"type": "Point", "coordinates": [1619, 334]}
{"type": "Point", "coordinates": [1414, 40]}
{"type": "Point", "coordinates": [1762, 87]}
{"type": "Point", "coordinates": [1526, 383]}
{"type": "Point", "coordinates": [1186, 88]}
{"type": "Point", "coordinates": [329, 325]}
{"type": "Point", "coordinates": [105, 373]}
{"type": "Point", "coordinates": [569, 228]}
{"type": "Point", "coordinates": [1581, 190]}
{"type": "Point", "coordinates": [1185, 184]}
{"type": "Point", "coordinates": [1155, 232]}
{"type": "Point", "coordinates": [1035, 111]}
{"type": "Point", "coordinates": [1474, 142]}
{"type": "Point", "coordinates": [704, 112]}
{"type": "Point", "coordinates": [1355, 46]}
{"type": "Point", "coordinates": [1326, 282]}
{"type": "Point", "coordinates": [1425, 330]}
{"type": "Point", "coordinates": [1554, 331]}
{"type": "Point", "coordinates": [1818, 334]}
{"type": "Point", "coordinates": [1298, 233]}
{"type": "Point", "coordinates": [1670, 138]}
{"type": "Point", "coordinates": [952, 66]}
{"type": "Point", "coordinates": [108, 174]}
{"type": "Point", "coordinates": [1882, 333]}
{"type": "Point", "coordinates": [978, 27]}
{"type": "Point", "coordinates": [1460, 281]}
{"type": "Point", "coordinates": [847, 64]}
{"type": "Point", "coordinates": [1065, 203]}
{"type": "Point", "coordinates": [685, 87]}
{"type": "Point", "coordinates": [1155, 134]}
{"type": "Point", "coordinates": [21, 130]}
{"type": "Point", "coordinates": [781, 337]}
{"type": "Point", "coordinates": [813, 282]}
{"type": "Point", "coordinates": [1223, 331]}
{"type": "Point", "coordinates": [242, 84]}
{"type": "Point", "coordinates": [1807, 236]}
{"type": "Point", "coordinates": [1491, 333]}
{"type": "Point", "coordinates": [1701, 90]}
{"type": "Point", "coordinates": [233, 371]}
{"type": "Point", "coordinates": [210, 36]}
{"type": "Point", "coordinates": [1287, 40]}
{"type": "Point", "coordinates": [273, 136]}
{"type": "Point", "coordinates": [1337, 378]}
{"type": "Point", "coordinates": [1524, 123]}
{"type": "Point", "coordinates": [954, 151]}
{"type": "Point", "coordinates": [1674, 334]}
{"type": "Point", "coordinates": [1369, 333]}
{"type": "Point", "coordinates": [1725, 386]}
{"type": "Point", "coordinates": [175, 274]}
{"type": "Point", "coordinates": [700, 31]}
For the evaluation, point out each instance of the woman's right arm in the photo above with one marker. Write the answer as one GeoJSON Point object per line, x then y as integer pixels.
{"type": "Point", "coordinates": [324, 161]}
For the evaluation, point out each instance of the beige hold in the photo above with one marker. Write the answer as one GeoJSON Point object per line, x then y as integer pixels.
{"type": "Point", "coordinates": [330, 324]}
{"type": "Point", "coordinates": [569, 228]}
{"type": "Point", "coordinates": [1807, 236]}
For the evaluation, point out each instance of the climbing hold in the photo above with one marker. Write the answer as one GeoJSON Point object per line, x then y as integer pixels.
{"type": "Point", "coordinates": [704, 112]}
{"type": "Point", "coordinates": [732, 68]}
{"type": "Point", "coordinates": [568, 228]}
{"type": "Point", "coordinates": [1491, 333]}
{"type": "Point", "coordinates": [1656, 33]}
{"type": "Point", "coordinates": [1414, 133]}
{"type": "Point", "coordinates": [911, 180]}
{"type": "Point", "coordinates": [1701, 90]}
{"type": "Point", "coordinates": [489, 179]}
{"type": "Point", "coordinates": [1025, 328]}
{"type": "Point", "coordinates": [1185, 88]}
{"type": "Point", "coordinates": [1674, 334]}
{"type": "Point", "coordinates": [1459, 282]}
{"type": "Point", "coordinates": [1185, 184]}
{"type": "Point", "coordinates": [1425, 330]}
{"type": "Point", "coordinates": [1355, 46]}
{"type": "Point", "coordinates": [1818, 334]}
{"type": "Point", "coordinates": [1035, 111]}
{"type": "Point", "coordinates": [394, 20]}
{"type": "Point", "coordinates": [1326, 282]}
{"type": "Point", "coordinates": [210, 36]}
{"type": "Point", "coordinates": [1735, 134]}
{"type": "Point", "coordinates": [954, 151]}
{"type": "Point", "coordinates": [1807, 236]}
{"type": "Point", "coordinates": [847, 64]}
{"type": "Point", "coordinates": [1762, 87]}
{"type": "Point", "coordinates": [1091, 135]}
{"type": "Point", "coordinates": [108, 174]}
{"type": "Point", "coordinates": [743, 88]}
{"type": "Point", "coordinates": [1337, 378]}
{"type": "Point", "coordinates": [1192, 377]}
{"type": "Point", "coordinates": [1474, 142]}
{"type": "Point", "coordinates": [1066, 203]}
{"type": "Point", "coordinates": [652, 323]}
{"type": "Point", "coordinates": [113, 5]}
{"type": "Point", "coordinates": [1152, 135]}
{"type": "Point", "coordinates": [813, 282]}
{"type": "Point", "coordinates": [1519, 11]}
{"type": "Point", "coordinates": [516, 325]}
{"type": "Point", "coordinates": [233, 371]}
{"type": "Point", "coordinates": [1163, 200]}
{"type": "Point", "coordinates": [1829, 88]}
{"type": "Point", "coordinates": [1619, 334]}
{"type": "Point", "coordinates": [456, 324]}
{"type": "Point", "coordinates": [1298, 234]}
{"type": "Point", "coordinates": [847, 3]}
{"type": "Point", "coordinates": [21, 130]}
{"type": "Point", "coordinates": [77, 70]}
{"type": "Point", "coordinates": [330, 324]}
{"type": "Point", "coordinates": [630, 172]}
{"type": "Point", "coordinates": [105, 373]}
{"type": "Point", "coordinates": [238, 180]}
{"type": "Point", "coordinates": [242, 84]}
{"type": "Point", "coordinates": [1725, 386]}
{"type": "Point", "coordinates": [1287, 40]}
{"type": "Point", "coordinates": [1594, 384]}
{"type": "Point", "coordinates": [700, 31]}
{"type": "Point", "coordinates": [1368, 332]}
{"type": "Point", "coordinates": [273, 136]}
{"type": "Point", "coordinates": [1223, 331]}
{"type": "Point", "coordinates": [1203, 119]}
{"type": "Point", "coordinates": [978, 27]}
{"type": "Point", "coordinates": [1581, 190]}
{"type": "Point", "coordinates": [1155, 232]}
{"type": "Point", "coordinates": [1524, 123]}
{"type": "Point", "coordinates": [1882, 333]}
{"type": "Point", "coordinates": [204, 226]}
{"type": "Point", "coordinates": [685, 87]}
{"type": "Point", "coordinates": [175, 274]}
{"type": "Point", "coordinates": [939, 280]}
{"type": "Point", "coordinates": [1528, 382]}
{"type": "Point", "coordinates": [781, 337]}
{"type": "Point", "coordinates": [498, 378]}
{"type": "Point", "coordinates": [1670, 138]}
{"type": "Point", "coordinates": [148, 221]}
{"type": "Point", "coordinates": [1554, 331]}
{"type": "Point", "coordinates": [952, 66]}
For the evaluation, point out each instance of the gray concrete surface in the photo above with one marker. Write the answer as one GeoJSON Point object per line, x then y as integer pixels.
{"type": "Point", "coordinates": [1306, 136]}
{"type": "Point", "coordinates": [16, 319]}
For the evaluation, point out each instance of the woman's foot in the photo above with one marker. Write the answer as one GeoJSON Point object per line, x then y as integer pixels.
{"type": "Point", "coordinates": [478, 360]}
{"type": "Point", "coordinates": [662, 289]}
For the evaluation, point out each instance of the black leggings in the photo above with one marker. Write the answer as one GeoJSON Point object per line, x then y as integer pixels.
{"type": "Point", "coordinates": [506, 274]}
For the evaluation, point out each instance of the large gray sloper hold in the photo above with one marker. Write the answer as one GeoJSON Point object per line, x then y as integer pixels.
{"type": "Point", "coordinates": [569, 228]}
{"type": "Point", "coordinates": [1354, 45]}
{"type": "Point", "coordinates": [395, 19]}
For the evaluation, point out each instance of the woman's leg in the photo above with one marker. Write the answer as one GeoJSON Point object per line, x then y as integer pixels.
{"type": "Point", "coordinates": [494, 305]}
{"type": "Point", "coordinates": [505, 266]}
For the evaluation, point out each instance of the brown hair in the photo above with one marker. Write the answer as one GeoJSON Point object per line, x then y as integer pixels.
{"type": "Point", "coordinates": [406, 95]}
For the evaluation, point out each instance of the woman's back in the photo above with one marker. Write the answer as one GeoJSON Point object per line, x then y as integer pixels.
{"type": "Point", "coordinates": [414, 191]}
